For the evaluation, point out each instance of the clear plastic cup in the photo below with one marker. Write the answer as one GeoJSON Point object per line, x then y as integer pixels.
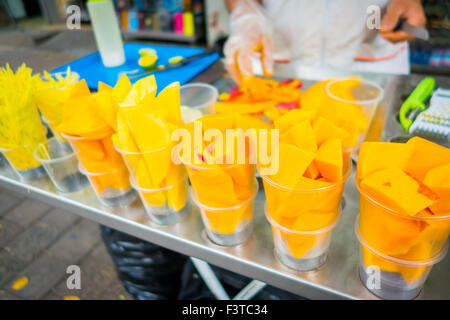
{"type": "Point", "coordinates": [61, 165]}
{"type": "Point", "coordinates": [411, 238]}
{"type": "Point", "coordinates": [167, 205]}
{"type": "Point", "coordinates": [197, 100]}
{"type": "Point", "coordinates": [302, 220]}
{"type": "Point", "coordinates": [393, 278]}
{"type": "Point", "coordinates": [301, 250]}
{"type": "Point", "coordinates": [112, 188]}
{"type": "Point", "coordinates": [23, 163]}
{"type": "Point", "coordinates": [228, 226]}
{"type": "Point", "coordinates": [367, 95]}
{"type": "Point", "coordinates": [153, 160]}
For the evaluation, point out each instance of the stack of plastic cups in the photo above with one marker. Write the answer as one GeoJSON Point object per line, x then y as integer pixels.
{"type": "Point", "coordinates": [168, 203]}
{"type": "Point", "coordinates": [61, 165]}
{"type": "Point", "coordinates": [227, 222]}
{"type": "Point", "coordinates": [303, 220]}
{"type": "Point", "coordinates": [401, 249]}
{"type": "Point", "coordinates": [197, 100]}
{"type": "Point", "coordinates": [112, 185]}
{"type": "Point", "coordinates": [366, 94]}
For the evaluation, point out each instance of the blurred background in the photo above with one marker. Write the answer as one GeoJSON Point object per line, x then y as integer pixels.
{"type": "Point", "coordinates": [154, 20]}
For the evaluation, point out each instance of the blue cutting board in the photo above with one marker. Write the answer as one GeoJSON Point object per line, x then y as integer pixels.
{"type": "Point", "coordinates": [91, 68]}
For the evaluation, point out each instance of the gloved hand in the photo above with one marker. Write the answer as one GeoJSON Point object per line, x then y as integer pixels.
{"type": "Point", "coordinates": [410, 10]}
{"type": "Point", "coordinates": [250, 32]}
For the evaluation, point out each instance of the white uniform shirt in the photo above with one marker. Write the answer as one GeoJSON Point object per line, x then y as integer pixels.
{"type": "Point", "coordinates": [332, 33]}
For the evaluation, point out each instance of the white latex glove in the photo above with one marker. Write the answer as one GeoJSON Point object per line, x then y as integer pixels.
{"type": "Point", "coordinates": [250, 32]}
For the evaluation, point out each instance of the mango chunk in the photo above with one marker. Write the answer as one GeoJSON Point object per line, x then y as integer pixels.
{"type": "Point", "coordinates": [325, 129]}
{"type": "Point", "coordinates": [329, 160]}
{"type": "Point", "coordinates": [385, 186]}
{"type": "Point", "coordinates": [374, 156]}
{"type": "Point", "coordinates": [312, 171]}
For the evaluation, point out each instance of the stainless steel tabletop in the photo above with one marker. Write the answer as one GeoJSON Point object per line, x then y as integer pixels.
{"type": "Point", "coordinates": [337, 279]}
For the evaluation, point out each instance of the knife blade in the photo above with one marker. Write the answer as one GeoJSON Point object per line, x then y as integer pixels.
{"type": "Point", "coordinates": [415, 31]}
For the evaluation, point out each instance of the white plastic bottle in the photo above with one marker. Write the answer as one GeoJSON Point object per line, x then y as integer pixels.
{"type": "Point", "coordinates": [107, 32]}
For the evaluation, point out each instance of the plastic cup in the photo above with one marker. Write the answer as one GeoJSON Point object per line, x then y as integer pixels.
{"type": "Point", "coordinates": [110, 187]}
{"type": "Point", "coordinates": [393, 278]}
{"type": "Point", "coordinates": [301, 250]}
{"type": "Point", "coordinates": [228, 226]}
{"type": "Point", "coordinates": [166, 203]}
{"type": "Point", "coordinates": [61, 165]}
{"type": "Point", "coordinates": [366, 94]}
{"type": "Point", "coordinates": [134, 161]}
{"type": "Point", "coordinates": [197, 100]}
{"type": "Point", "coordinates": [411, 238]}
{"type": "Point", "coordinates": [157, 205]}
{"type": "Point", "coordinates": [52, 126]}
{"type": "Point", "coordinates": [97, 155]}
{"type": "Point", "coordinates": [23, 163]}
{"type": "Point", "coordinates": [302, 220]}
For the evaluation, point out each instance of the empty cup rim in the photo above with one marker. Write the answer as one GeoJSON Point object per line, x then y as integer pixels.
{"type": "Point", "coordinates": [249, 199]}
{"type": "Point", "coordinates": [125, 152]}
{"type": "Point", "coordinates": [411, 263]}
{"type": "Point", "coordinates": [394, 212]}
{"type": "Point", "coordinates": [59, 159]}
{"type": "Point", "coordinates": [328, 228]}
{"type": "Point", "coordinates": [87, 173]}
{"type": "Point", "coordinates": [369, 101]}
{"type": "Point", "coordinates": [204, 85]}
{"type": "Point", "coordinates": [136, 187]}
{"type": "Point", "coordinates": [344, 178]}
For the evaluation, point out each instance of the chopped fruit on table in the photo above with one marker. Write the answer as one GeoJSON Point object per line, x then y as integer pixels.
{"type": "Point", "coordinates": [405, 201]}
{"type": "Point", "coordinates": [273, 100]}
